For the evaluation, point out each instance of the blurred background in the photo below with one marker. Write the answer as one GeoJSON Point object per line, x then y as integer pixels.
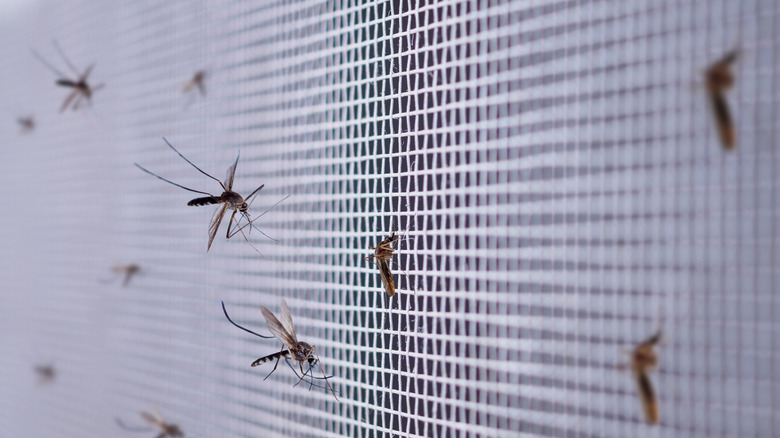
{"type": "Point", "coordinates": [554, 167]}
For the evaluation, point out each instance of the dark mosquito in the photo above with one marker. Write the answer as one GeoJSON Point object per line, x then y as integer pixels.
{"type": "Point", "coordinates": [156, 421]}
{"type": "Point", "coordinates": [383, 255]}
{"type": "Point", "coordinates": [46, 373]}
{"type": "Point", "coordinates": [198, 81]}
{"type": "Point", "coordinates": [643, 360]}
{"type": "Point", "coordinates": [126, 271]}
{"type": "Point", "coordinates": [26, 124]}
{"type": "Point", "coordinates": [227, 200]}
{"type": "Point", "coordinates": [719, 79]}
{"type": "Point", "coordinates": [298, 352]}
{"type": "Point", "coordinates": [81, 90]}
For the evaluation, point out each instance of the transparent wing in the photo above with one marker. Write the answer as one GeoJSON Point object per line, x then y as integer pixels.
{"type": "Point", "coordinates": [275, 327]}
{"type": "Point", "coordinates": [151, 419]}
{"type": "Point", "coordinates": [216, 220]}
{"type": "Point", "coordinates": [287, 320]}
{"type": "Point", "coordinates": [231, 173]}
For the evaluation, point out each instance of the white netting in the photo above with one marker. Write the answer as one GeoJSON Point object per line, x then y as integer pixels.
{"type": "Point", "coordinates": [553, 165]}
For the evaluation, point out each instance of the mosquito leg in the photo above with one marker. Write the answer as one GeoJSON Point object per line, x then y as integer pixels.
{"type": "Point", "coordinates": [242, 328]}
{"type": "Point", "coordinates": [323, 373]}
{"type": "Point", "coordinates": [275, 365]}
{"type": "Point", "coordinates": [67, 61]}
{"type": "Point", "coordinates": [193, 165]}
{"type": "Point", "coordinates": [230, 222]}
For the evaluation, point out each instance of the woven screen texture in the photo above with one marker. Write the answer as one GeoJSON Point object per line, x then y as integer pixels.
{"type": "Point", "coordinates": [552, 167]}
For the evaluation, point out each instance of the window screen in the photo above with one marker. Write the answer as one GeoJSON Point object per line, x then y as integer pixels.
{"type": "Point", "coordinates": [552, 167]}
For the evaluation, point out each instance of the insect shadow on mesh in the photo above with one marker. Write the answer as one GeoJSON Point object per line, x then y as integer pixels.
{"type": "Point", "coordinates": [227, 200]}
{"type": "Point", "coordinates": [298, 352]}
{"type": "Point", "coordinates": [156, 422]}
{"type": "Point", "coordinates": [81, 91]}
{"type": "Point", "coordinates": [718, 79]}
{"type": "Point", "coordinates": [643, 360]}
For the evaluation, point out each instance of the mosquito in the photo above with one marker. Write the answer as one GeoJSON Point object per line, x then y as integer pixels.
{"type": "Point", "coordinates": [46, 373]}
{"type": "Point", "coordinates": [383, 253]}
{"type": "Point", "coordinates": [128, 271]}
{"type": "Point", "coordinates": [155, 421]}
{"type": "Point", "coordinates": [26, 124]}
{"type": "Point", "coordinates": [80, 88]}
{"type": "Point", "coordinates": [644, 359]}
{"type": "Point", "coordinates": [312, 361]}
{"type": "Point", "coordinates": [719, 79]}
{"type": "Point", "coordinates": [227, 200]}
{"type": "Point", "coordinates": [198, 80]}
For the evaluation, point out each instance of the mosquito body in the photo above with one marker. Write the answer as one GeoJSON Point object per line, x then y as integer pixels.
{"type": "Point", "coordinates": [382, 254]}
{"type": "Point", "coordinates": [197, 81]}
{"type": "Point", "coordinates": [719, 79]}
{"type": "Point", "coordinates": [643, 360]}
{"type": "Point", "coordinates": [128, 271]}
{"type": "Point", "coordinates": [156, 421]}
{"type": "Point", "coordinates": [80, 88]}
{"type": "Point", "coordinates": [228, 200]}
{"type": "Point", "coordinates": [46, 373]}
{"type": "Point", "coordinates": [26, 124]}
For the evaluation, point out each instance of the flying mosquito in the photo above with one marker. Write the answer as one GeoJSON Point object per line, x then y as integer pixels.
{"type": "Point", "coordinates": [127, 271]}
{"type": "Point", "coordinates": [644, 359]}
{"type": "Point", "coordinates": [155, 421]}
{"type": "Point", "coordinates": [197, 81]}
{"type": "Point", "coordinates": [46, 373]}
{"type": "Point", "coordinates": [80, 88]}
{"type": "Point", "coordinates": [227, 200]}
{"type": "Point", "coordinates": [26, 124]}
{"type": "Point", "coordinates": [298, 352]}
{"type": "Point", "coordinates": [719, 79]}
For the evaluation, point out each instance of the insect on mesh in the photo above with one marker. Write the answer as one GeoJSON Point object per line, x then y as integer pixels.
{"type": "Point", "coordinates": [552, 168]}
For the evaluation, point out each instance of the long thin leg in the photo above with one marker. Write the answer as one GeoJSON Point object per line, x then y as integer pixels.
{"type": "Point", "coordinates": [67, 61]}
{"type": "Point", "coordinates": [230, 222]}
{"type": "Point", "coordinates": [193, 165]}
{"type": "Point", "coordinates": [276, 364]}
{"type": "Point", "coordinates": [242, 328]}
{"type": "Point", "coordinates": [132, 429]}
{"type": "Point", "coordinates": [323, 372]}
{"type": "Point", "coordinates": [49, 66]}
{"type": "Point", "coordinates": [250, 198]}
{"type": "Point", "coordinates": [171, 182]}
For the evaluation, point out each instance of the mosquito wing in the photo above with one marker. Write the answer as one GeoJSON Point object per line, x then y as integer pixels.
{"type": "Point", "coordinates": [387, 276]}
{"type": "Point", "coordinates": [154, 420]}
{"type": "Point", "coordinates": [216, 220]}
{"type": "Point", "coordinates": [287, 320]}
{"type": "Point", "coordinates": [231, 174]}
{"type": "Point", "coordinates": [278, 330]}
{"type": "Point", "coordinates": [723, 120]}
{"type": "Point", "coordinates": [647, 397]}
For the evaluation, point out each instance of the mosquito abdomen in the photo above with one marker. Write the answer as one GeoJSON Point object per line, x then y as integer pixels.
{"type": "Point", "coordinates": [208, 200]}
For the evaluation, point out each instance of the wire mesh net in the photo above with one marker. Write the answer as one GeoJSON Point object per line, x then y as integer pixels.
{"type": "Point", "coordinates": [551, 168]}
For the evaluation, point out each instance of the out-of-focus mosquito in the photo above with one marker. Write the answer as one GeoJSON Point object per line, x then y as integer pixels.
{"type": "Point", "coordinates": [644, 359]}
{"type": "Point", "coordinates": [156, 421]}
{"type": "Point", "coordinates": [228, 200]}
{"type": "Point", "coordinates": [127, 271]}
{"type": "Point", "coordinates": [198, 81]}
{"type": "Point", "coordinates": [80, 88]}
{"type": "Point", "coordinates": [46, 373]}
{"type": "Point", "coordinates": [719, 78]}
{"type": "Point", "coordinates": [26, 124]}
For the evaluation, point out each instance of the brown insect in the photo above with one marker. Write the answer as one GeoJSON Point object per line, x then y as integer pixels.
{"type": "Point", "coordinates": [156, 421]}
{"type": "Point", "coordinates": [299, 352]}
{"type": "Point", "coordinates": [128, 271]}
{"type": "Point", "coordinates": [382, 253]}
{"type": "Point", "coordinates": [46, 373]}
{"type": "Point", "coordinates": [227, 200]}
{"type": "Point", "coordinates": [26, 124]}
{"type": "Point", "coordinates": [198, 80]}
{"type": "Point", "coordinates": [81, 90]}
{"type": "Point", "coordinates": [644, 359]}
{"type": "Point", "coordinates": [719, 78]}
